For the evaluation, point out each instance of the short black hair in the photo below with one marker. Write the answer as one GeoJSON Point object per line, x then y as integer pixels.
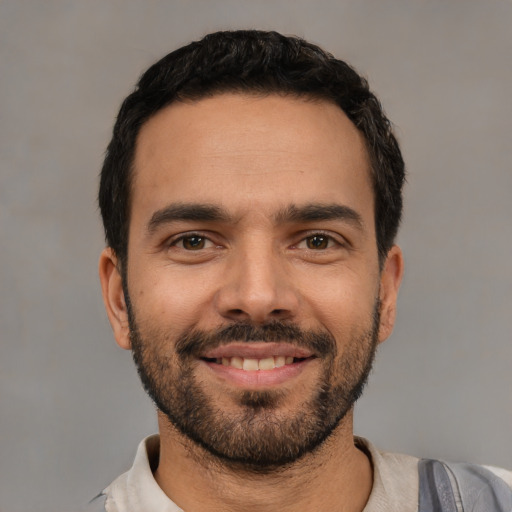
{"type": "Point", "coordinates": [251, 61]}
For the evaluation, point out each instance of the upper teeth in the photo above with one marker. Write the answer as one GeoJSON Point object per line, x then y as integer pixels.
{"type": "Point", "coordinates": [244, 363]}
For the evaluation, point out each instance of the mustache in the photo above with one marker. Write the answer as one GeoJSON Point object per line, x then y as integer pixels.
{"type": "Point", "coordinates": [197, 342]}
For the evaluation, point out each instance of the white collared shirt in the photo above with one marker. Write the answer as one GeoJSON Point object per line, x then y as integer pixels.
{"type": "Point", "coordinates": [395, 482]}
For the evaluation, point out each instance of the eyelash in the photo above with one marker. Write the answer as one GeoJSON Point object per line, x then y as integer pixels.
{"type": "Point", "coordinates": [331, 240]}
{"type": "Point", "coordinates": [174, 242]}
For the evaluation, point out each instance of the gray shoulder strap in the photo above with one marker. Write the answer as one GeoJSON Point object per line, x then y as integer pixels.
{"type": "Point", "coordinates": [96, 504]}
{"type": "Point", "coordinates": [477, 488]}
{"type": "Point", "coordinates": [436, 492]}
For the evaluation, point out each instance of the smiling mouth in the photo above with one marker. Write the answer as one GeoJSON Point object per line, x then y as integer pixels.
{"type": "Point", "coordinates": [252, 364]}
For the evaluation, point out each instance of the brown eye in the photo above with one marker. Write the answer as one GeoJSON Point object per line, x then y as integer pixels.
{"type": "Point", "coordinates": [193, 243]}
{"type": "Point", "coordinates": [317, 242]}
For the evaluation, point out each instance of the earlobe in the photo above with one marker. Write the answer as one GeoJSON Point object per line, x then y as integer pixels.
{"type": "Point", "coordinates": [391, 277]}
{"type": "Point", "coordinates": [113, 297]}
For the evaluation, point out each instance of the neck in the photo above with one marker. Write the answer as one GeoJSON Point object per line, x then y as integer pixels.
{"type": "Point", "coordinates": [335, 477]}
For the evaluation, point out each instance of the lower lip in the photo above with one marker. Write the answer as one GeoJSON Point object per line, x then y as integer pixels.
{"type": "Point", "coordinates": [259, 378]}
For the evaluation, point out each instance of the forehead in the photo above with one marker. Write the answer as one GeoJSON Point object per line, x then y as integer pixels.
{"type": "Point", "coordinates": [250, 153]}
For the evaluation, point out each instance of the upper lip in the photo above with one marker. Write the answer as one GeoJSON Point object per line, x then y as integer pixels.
{"type": "Point", "coordinates": [257, 350]}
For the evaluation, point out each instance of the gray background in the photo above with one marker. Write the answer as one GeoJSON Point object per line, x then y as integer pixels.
{"type": "Point", "coordinates": [72, 410]}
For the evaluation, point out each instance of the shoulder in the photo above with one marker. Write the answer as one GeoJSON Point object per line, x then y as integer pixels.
{"type": "Point", "coordinates": [135, 489]}
{"type": "Point", "coordinates": [478, 475]}
{"type": "Point", "coordinates": [400, 480]}
{"type": "Point", "coordinates": [504, 474]}
{"type": "Point", "coordinates": [464, 487]}
{"type": "Point", "coordinates": [97, 504]}
{"type": "Point", "coordinates": [395, 479]}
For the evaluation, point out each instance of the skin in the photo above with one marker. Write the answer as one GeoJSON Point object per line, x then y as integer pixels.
{"type": "Point", "coordinates": [254, 157]}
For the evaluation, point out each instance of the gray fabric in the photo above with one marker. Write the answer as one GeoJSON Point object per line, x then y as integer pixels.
{"type": "Point", "coordinates": [96, 504]}
{"type": "Point", "coordinates": [480, 489]}
{"type": "Point", "coordinates": [436, 493]}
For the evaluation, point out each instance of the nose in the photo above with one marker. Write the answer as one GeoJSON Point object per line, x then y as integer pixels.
{"type": "Point", "coordinates": [257, 288]}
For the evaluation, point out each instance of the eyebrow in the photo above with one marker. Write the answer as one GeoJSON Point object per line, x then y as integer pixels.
{"type": "Point", "coordinates": [212, 213]}
{"type": "Point", "coordinates": [320, 212]}
{"type": "Point", "coordinates": [187, 212]}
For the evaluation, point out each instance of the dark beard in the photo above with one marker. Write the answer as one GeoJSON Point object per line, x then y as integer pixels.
{"type": "Point", "coordinates": [259, 438]}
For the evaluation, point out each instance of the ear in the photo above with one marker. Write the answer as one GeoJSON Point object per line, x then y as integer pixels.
{"type": "Point", "coordinates": [390, 279]}
{"type": "Point", "coordinates": [113, 297]}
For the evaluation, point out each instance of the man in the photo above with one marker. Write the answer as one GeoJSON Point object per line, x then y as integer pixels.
{"type": "Point", "coordinates": [251, 195]}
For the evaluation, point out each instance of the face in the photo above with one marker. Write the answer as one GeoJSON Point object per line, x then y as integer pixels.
{"type": "Point", "coordinates": [253, 289]}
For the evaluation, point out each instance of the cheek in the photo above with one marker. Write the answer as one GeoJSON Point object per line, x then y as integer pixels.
{"type": "Point", "coordinates": [174, 301]}
{"type": "Point", "coordinates": [342, 302]}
